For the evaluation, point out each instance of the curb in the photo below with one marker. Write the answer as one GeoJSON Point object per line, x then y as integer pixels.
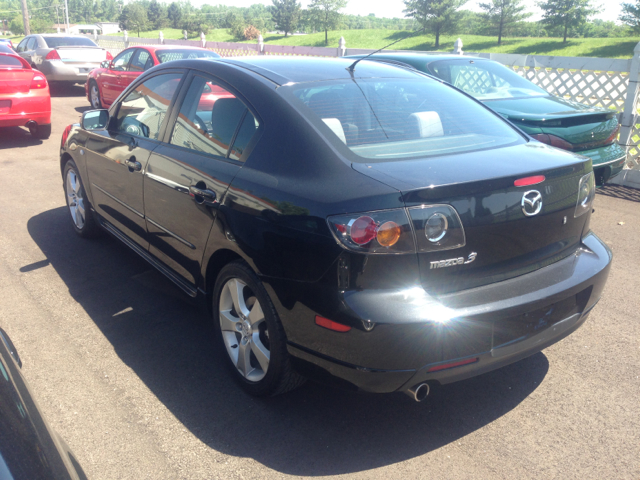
{"type": "Point", "coordinates": [627, 178]}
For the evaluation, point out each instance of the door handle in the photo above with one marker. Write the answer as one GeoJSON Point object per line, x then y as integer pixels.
{"type": "Point", "coordinates": [134, 166]}
{"type": "Point", "coordinates": [202, 196]}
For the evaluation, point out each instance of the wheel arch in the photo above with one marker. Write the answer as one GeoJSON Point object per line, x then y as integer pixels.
{"type": "Point", "coordinates": [216, 262]}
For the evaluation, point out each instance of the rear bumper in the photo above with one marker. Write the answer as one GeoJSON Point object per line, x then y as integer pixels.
{"type": "Point", "coordinates": [607, 161]}
{"type": "Point", "coordinates": [490, 326]}
{"type": "Point", "coordinates": [59, 71]}
{"type": "Point", "coordinates": [35, 106]}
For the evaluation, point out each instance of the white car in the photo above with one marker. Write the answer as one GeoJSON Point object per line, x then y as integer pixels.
{"type": "Point", "coordinates": [62, 58]}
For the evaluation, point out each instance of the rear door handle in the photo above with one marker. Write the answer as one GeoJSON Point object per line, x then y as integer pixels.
{"type": "Point", "coordinates": [134, 166]}
{"type": "Point", "coordinates": [202, 196]}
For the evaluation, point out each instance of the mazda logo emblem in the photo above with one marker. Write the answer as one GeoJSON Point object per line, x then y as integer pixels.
{"type": "Point", "coordinates": [531, 203]}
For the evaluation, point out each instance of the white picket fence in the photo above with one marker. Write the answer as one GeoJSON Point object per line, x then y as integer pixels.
{"type": "Point", "coordinates": [605, 82]}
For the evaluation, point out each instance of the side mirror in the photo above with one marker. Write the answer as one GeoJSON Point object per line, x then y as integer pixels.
{"type": "Point", "coordinates": [105, 64]}
{"type": "Point", "coordinates": [95, 120]}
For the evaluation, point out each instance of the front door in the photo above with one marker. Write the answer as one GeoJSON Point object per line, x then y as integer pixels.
{"type": "Point", "coordinates": [188, 176]}
{"type": "Point", "coordinates": [110, 79]}
{"type": "Point", "coordinates": [117, 158]}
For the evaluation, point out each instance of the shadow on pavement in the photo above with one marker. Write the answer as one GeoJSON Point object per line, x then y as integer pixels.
{"type": "Point", "coordinates": [16, 137]}
{"type": "Point", "coordinates": [67, 90]}
{"type": "Point", "coordinates": [315, 430]}
{"type": "Point", "coordinates": [619, 191]}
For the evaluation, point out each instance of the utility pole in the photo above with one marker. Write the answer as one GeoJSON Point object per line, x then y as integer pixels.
{"type": "Point", "coordinates": [25, 18]}
{"type": "Point", "coordinates": [66, 9]}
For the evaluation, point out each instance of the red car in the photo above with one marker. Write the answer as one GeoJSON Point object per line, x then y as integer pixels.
{"type": "Point", "coordinates": [106, 83]}
{"type": "Point", "coordinates": [24, 95]}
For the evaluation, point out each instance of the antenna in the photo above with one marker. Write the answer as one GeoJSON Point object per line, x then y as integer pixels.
{"type": "Point", "coordinates": [352, 67]}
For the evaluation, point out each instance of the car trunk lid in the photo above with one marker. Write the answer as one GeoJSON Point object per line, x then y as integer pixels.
{"type": "Point", "coordinates": [82, 54]}
{"type": "Point", "coordinates": [501, 241]}
{"type": "Point", "coordinates": [14, 81]}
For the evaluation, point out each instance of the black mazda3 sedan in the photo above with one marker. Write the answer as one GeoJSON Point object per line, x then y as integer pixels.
{"type": "Point", "coordinates": [361, 224]}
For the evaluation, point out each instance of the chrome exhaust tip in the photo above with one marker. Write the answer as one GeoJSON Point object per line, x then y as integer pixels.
{"type": "Point", "coordinates": [419, 393]}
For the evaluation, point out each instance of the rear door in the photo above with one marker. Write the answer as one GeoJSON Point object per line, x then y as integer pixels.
{"type": "Point", "coordinates": [188, 176]}
{"type": "Point", "coordinates": [117, 158]}
{"type": "Point", "coordinates": [110, 79]}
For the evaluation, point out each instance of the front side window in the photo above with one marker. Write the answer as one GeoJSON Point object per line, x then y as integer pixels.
{"type": "Point", "coordinates": [209, 119]}
{"type": "Point", "coordinates": [121, 62]}
{"type": "Point", "coordinates": [387, 119]}
{"type": "Point", "coordinates": [22, 46]}
{"type": "Point", "coordinates": [485, 80]}
{"type": "Point", "coordinates": [142, 111]}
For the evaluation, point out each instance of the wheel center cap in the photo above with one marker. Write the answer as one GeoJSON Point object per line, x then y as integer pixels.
{"type": "Point", "coordinates": [246, 329]}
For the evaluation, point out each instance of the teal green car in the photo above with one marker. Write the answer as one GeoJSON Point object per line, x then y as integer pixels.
{"type": "Point", "coordinates": [568, 125]}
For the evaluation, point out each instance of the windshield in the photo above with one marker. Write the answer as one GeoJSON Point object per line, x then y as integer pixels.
{"type": "Point", "coordinates": [178, 54]}
{"type": "Point", "coordinates": [53, 42]}
{"type": "Point", "coordinates": [386, 119]}
{"type": "Point", "coordinates": [485, 80]}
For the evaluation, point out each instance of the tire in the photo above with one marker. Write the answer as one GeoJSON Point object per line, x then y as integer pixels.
{"type": "Point", "coordinates": [41, 132]}
{"type": "Point", "coordinates": [78, 206]}
{"type": "Point", "coordinates": [265, 368]}
{"type": "Point", "coordinates": [94, 95]}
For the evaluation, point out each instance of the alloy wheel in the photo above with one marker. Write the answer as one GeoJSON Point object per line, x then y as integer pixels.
{"type": "Point", "coordinates": [95, 96]}
{"type": "Point", "coordinates": [75, 201]}
{"type": "Point", "coordinates": [244, 330]}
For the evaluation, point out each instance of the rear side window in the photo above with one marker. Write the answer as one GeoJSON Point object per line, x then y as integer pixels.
{"type": "Point", "coordinates": [33, 44]}
{"type": "Point", "coordinates": [53, 42]}
{"type": "Point", "coordinates": [178, 54]}
{"type": "Point", "coordinates": [9, 61]}
{"type": "Point", "coordinates": [142, 111]}
{"type": "Point", "coordinates": [386, 119]}
{"type": "Point", "coordinates": [209, 120]}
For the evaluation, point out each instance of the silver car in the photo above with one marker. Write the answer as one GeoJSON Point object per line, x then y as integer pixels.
{"type": "Point", "coordinates": [62, 58]}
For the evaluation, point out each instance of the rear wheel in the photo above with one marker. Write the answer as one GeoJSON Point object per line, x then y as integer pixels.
{"type": "Point", "coordinates": [40, 131]}
{"type": "Point", "coordinates": [94, 95]}
{"type": "Point", "coordinates": [249, 333]}
{"type": "Point", "coordinates": [81, 216]}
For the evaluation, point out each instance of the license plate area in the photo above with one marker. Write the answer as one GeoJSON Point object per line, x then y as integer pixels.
{"type": "Point", "coordinates": [516, 329]}
{"type": "Point", "coordinates": [5, 106]}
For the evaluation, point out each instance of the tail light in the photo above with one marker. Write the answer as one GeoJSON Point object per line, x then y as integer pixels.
{"type": "Point", "coordinates": [65, 136]}
{"type": "Point", "coordinates": [387, 231]}
{"type": "Point", "coordinates": [38, 81]}
{"type": "Point", "coordinates": [109, 56]}
{"type": "Point", "coordinates": [553, 141]}
{"type": "Point", "coordinates": [586, 194]}
{"type": "Point", "coordinates": [52, 55]}
{"type": "Point", "coordinates": [427, 228]}
{"type": "Point", "coordinates": [613, 137]}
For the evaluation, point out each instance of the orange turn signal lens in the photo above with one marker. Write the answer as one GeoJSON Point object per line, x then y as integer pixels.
{"type": "Point", "coordinates": [388, 234]}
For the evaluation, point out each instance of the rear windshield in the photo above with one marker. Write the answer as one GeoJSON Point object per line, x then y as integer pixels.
{"type": "Point", "coordinates": [485, 80]}
{"type": "Point", "coordinates": [53, 42]}
{"type": "Point", "coordinates": [386, 119]}
{"type": "Point", "coordinates": [8, 61]}
{"type": "Point", "coordinates": [178, 54]}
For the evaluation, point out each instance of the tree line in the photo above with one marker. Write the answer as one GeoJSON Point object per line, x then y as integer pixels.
{"type": "Point", "coordinates": [499, 18]}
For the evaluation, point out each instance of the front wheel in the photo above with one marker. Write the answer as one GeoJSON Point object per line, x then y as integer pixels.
{"type": "Point", "coordinates": [78, 206]}
{"type": "Point", "coordinates": [94, 94]}
{"type": "Point", "coordinates": [249, 333]}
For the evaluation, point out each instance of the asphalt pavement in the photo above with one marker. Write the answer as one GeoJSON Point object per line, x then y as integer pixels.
{"type": "Point", "coordinates": [123, 367]}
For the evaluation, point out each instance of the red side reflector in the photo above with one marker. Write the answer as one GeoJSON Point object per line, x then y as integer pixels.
{"type": "Point", "coordinates": [523, 182]}
{"type": "Point", "coordinates": [453, 364]}
{"type": "Point", "coordinates": [331, 325]}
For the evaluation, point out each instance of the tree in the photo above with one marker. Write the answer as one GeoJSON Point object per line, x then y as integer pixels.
{"type": "Point", "coordinates": [133, 17]}
{"type": "Point", "coordinates": [631, 15]}
{"type": "Point", "coordinates": [286, 14]}
{"type": "Point", "coordinates": [566, 13]}
{"type": "Point", "coordinates": [157, 14]}
{"type": "Point", "coordinates": [502, 13]}
{"type": "Point", "coordinates": [327, 15]}
{"type": "Point", "coordinates": [174, 12]}
{"type": "Point", "coordinates": [436, 15]}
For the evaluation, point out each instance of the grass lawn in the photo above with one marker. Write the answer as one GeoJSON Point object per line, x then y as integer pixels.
{"type": "Point", "coordinates": [575, 47]}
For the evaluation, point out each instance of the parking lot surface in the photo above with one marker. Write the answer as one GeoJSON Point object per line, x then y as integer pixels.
{"type": "Point", "coordinates": [123, 367]}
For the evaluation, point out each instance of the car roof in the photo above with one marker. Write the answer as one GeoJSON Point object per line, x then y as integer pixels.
{"type": "Point", "coordinates": [417, 60]}
{"type": "Point", "coordinates": [283, 70]}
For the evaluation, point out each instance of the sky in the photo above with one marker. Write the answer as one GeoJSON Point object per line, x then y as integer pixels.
{"type": "Point", "coordinates": [393, 8]}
